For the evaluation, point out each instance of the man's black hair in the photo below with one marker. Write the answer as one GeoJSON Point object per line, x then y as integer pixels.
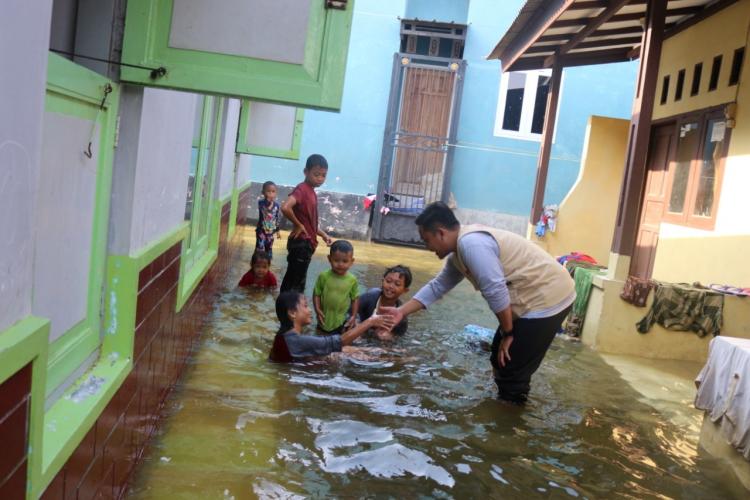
{"type": "Point", "coordinates": [402, 271]}
{"type": "Point", "coordinates": [342, 246]}
{"type": "Point", "coordinates": [316, 160]}
{"type": "Point", "coordinates": [436, 214]}
{"type": "Point", "coordinates": [267, 185]}
{"type": "Point", "coordinates": [259, 255]}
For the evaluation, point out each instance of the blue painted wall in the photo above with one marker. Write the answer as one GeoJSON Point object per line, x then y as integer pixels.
{"type": "Point", "coordinates": [438, 10]}
{"type": "Point", "coordinates": [352, 139]}
{"type": "Point", "coordinates": [489, 173]}
{"type": "Point", "coordinates": [497, 173]}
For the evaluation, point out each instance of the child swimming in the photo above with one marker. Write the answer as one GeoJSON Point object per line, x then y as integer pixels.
{"type": "Point", "coordinates": [294, 315]}
{"type": "Point", "coordinates": [259, 275]}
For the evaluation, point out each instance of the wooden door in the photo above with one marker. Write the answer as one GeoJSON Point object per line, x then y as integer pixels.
{"type": "Point", "coordinates": [654, 198]}
{"type": "Point", "coordinates": [422, 133]}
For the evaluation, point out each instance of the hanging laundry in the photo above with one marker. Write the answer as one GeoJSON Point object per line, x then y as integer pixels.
{"type": "Point", "coordinates": [636, 290]}
{"type": "Point", "coordinates": [548, 221]}
{"type": "Point", "coordinates": [578, 257]}
{"type": "Point", "coordinates": [730, 290]}
{"type": "Point", "coordinates": [584, 279]}
{"type": "Point", "coordinates": [369, 200]}
{"type": "Point", "coordinates": [682, 307]}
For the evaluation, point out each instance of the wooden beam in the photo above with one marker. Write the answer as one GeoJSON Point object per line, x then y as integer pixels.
{"type": "Point", "coordinates": [632, 30]}
{"type": "Point", "coordinates": [571, 60]}
{"type": "Point", "coordinates": [561, 37]}
{"type": "Point", "coordinates": [629, 42]}
{"type": "Point", "coordinates": [541, 20]}
{"type": "Point", "coordinates": [593, 25]}
{"type": "Point", "coordinates": [548, 131]}
{"type": "Point", "coordinates": [628, 211]}
{"type": "Point", "coordinates": [596, 57]}
{"type": "Point", "coordinates": [620, 18]}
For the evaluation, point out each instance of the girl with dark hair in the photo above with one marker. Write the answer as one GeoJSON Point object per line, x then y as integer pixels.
{"type": "Point", "coordinates": [294, 315]}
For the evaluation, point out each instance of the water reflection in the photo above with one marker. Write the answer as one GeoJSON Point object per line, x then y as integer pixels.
{"type": "Point", "coordinates": [418, 423]}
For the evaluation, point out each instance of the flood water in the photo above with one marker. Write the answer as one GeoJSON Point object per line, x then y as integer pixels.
{"type": "Point", "coordinates": [420, 421]}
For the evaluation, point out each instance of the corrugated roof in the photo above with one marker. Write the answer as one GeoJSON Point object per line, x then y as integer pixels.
{"type": "Point", "coordinates": [579, 32]}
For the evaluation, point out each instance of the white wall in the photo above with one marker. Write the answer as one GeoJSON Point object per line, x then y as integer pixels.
{"type": "Point", "coordinates": [228, 147]}
{"type": "Point", "coordinates": [243, 170]}
{"type": "Point", "coordinates": [152, 159]}
{"type": "Point", "coordinates": [24, 39]}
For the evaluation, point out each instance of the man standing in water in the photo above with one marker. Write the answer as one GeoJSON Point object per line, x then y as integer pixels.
{"type": "Point", "coordinates": [529, 292]}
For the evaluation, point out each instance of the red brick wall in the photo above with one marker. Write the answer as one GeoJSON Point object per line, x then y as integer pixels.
{"type": "Point", "coordinates": [102, 464]}
{"type": "Point", "coordinates": [15, 397]}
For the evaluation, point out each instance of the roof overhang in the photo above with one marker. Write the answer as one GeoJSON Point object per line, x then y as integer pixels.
{"type": "Point", "coordinates": [583, 32]}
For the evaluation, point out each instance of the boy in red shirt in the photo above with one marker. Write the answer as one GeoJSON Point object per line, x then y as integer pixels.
{"type": "Point", "coordinates": [301, 208]}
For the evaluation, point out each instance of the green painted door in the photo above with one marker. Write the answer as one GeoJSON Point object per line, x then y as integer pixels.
{"type": "Point", "coordinates": [286, 51]}
{"type": "Point", "coordinates": [198, 210]}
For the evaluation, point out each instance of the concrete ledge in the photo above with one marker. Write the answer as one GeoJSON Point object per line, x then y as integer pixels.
{"type": "Point", "coordinates": [610, 326]}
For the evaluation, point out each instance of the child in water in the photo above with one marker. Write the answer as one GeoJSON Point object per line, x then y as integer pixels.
{"type": "Point", "coordinates": [396, 282]}
{"type": "Point", "coordinates": [294, 315]}
{"type": "Point", "coordinates": [301, 208]}
{"type": "Point", "coordinates": [259, 275]}
{"type": "Point", "coordinates": [268, 219]}
{"type": "Point", "coordinates": [336, 291]}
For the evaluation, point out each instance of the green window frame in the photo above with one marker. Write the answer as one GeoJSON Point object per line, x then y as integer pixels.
{"type": "Point", "coordinates": [200, 247]}
{"type": "Point", "coordinates": [244, 146]}
{"type": "Point", "coordinates": [317, 82]}
{"type": "Point", "coordinates": [73, 90]}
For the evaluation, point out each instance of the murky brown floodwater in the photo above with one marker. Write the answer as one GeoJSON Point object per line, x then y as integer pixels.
{"type": "Point", "coordinates": [420, 423]}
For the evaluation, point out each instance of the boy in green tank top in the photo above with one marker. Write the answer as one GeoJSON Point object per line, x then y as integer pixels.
{"type": "Point", "coordinates": [336, 290]}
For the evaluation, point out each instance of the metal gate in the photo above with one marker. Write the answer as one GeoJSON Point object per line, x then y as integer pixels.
{"type": "Point", "coordinates": [417, 146]}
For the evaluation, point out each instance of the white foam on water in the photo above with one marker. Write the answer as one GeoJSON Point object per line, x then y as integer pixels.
{"type": "Point", "coordinates": [386, 405]}
{"type": "Point", "coordinates": [390, 461]}
{"type": "Point", "coordinates": [337, 382]}
{"type": "Point", "coordinates": [344, 433]}
{"type": "Point", "coordinates": [251, 416]}
{"type": "Point", "coordinates": [266, 490]}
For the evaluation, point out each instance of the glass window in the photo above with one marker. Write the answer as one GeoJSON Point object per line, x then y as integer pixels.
{"type": "Point", "coordinates": [540, 104]}
{"type": "Point", "coordinates": [712, 151]}
{"type": "Point", "coordinates": [522, 104]}
{"type": "Point", "coordinates": [687, 145]}
{"type": "Point", "coordinates": [514, 101]}
{"type": "Point", "coordinates": [197, 127]}
{"type": "Point", "coordinates": [695, 170]}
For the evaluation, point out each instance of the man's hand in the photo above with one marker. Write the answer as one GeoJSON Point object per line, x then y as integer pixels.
{"type": "Point", "coordinates": [327, 239]}
{"type": "Point", "coordinates": [297, 231]}
{"type": "Point", "coordinates": [394, 312]}
{"type": "Point", "coordinates": [503, 353]}
{"type": "Point", "coordinates": [321, 316]}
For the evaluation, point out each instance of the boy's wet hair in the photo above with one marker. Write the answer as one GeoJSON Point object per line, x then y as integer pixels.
{"type": "Point", "coordinates": [403, 271]}
{"type": "Point", "coordinates": [285, 303]}
{"type": "Point", "coordinates": [267, 185]}
{"type": "Point", "coordinates": [258, 256]}
{"type": "Point", "coordinates": [316, 160]}
{"type": "Point", "coordinates": [436, 214]}
{"type": "Point", "coordinates": [342, 246]}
